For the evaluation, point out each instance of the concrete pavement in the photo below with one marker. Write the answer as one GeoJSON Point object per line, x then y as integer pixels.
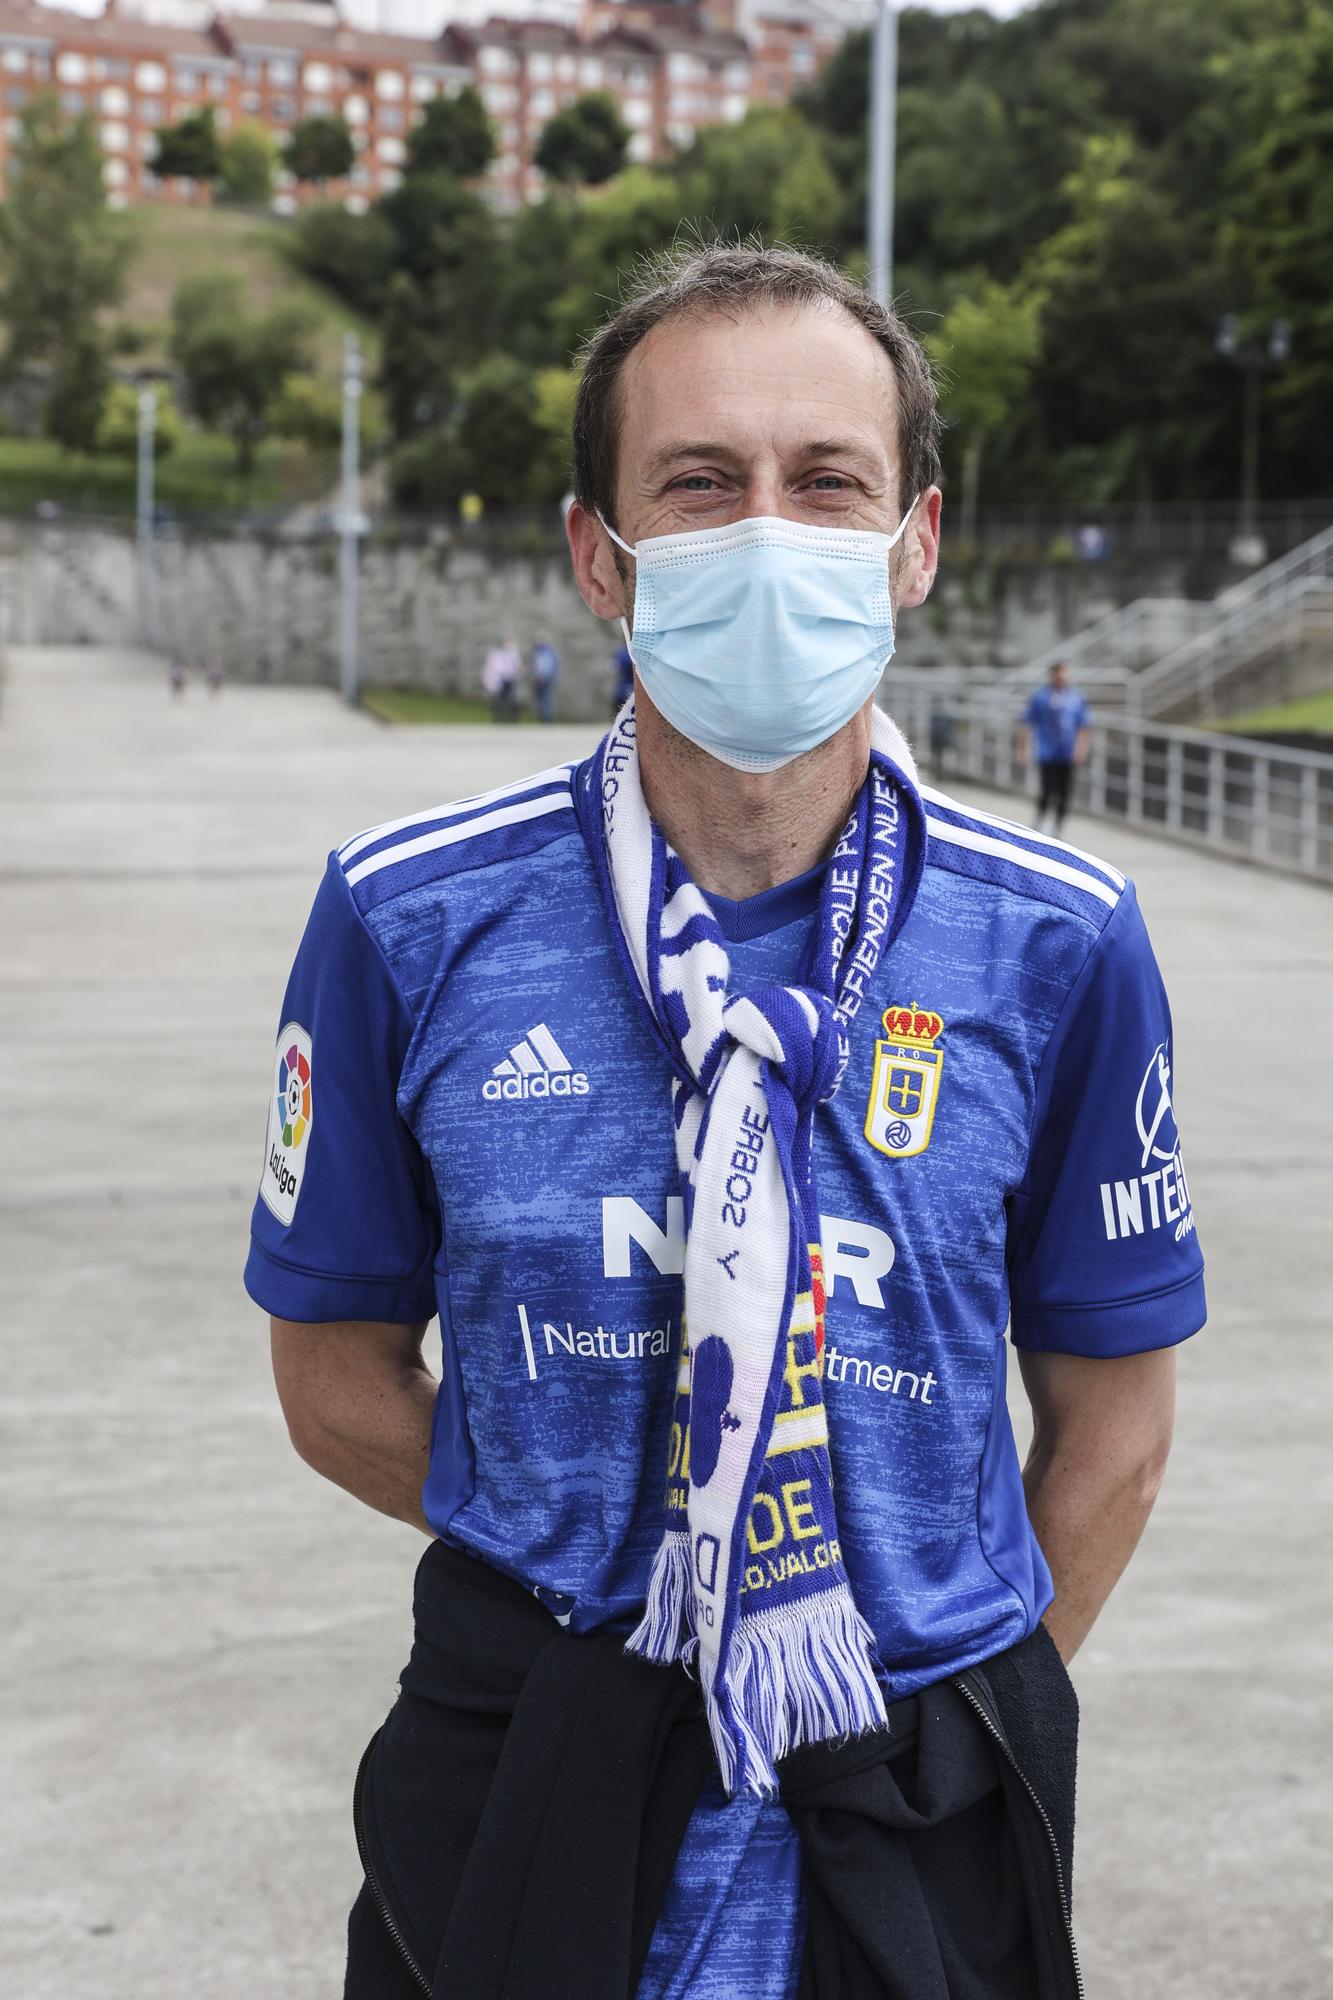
{"type": "Point", "coordinates": [200, 1635]}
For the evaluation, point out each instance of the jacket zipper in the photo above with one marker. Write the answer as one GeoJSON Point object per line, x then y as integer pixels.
{"type": "Point", "coordinates": [997, 1737]}
{"type": "Point", "coordinates": [376, 1893]}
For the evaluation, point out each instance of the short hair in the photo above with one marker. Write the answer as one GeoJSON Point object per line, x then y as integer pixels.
{"type": "Point", "coordinates": [731, 279]}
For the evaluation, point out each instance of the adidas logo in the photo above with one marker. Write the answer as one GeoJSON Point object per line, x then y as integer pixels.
{"type": "Point", "coordinates": [535, 1067]}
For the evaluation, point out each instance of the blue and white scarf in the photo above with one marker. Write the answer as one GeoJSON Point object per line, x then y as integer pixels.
{"type": "Point", "coordinates": [749, 1579]}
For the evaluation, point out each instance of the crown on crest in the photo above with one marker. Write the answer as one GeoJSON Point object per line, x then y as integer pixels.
{"type": "Point", "coordinates": [912, 1024]}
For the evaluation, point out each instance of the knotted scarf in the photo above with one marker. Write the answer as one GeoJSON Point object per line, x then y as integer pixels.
{"type": "Point", "coordinates": [749, 1578]}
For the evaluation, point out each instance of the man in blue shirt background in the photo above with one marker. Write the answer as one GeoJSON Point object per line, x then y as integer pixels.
{"type": "Point", "coordinates": [470, 1118]}
{"type": "Point", "coordinates": [1057, 727]}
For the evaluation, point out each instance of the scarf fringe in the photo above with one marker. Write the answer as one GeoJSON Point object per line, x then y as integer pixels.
{"type": "Point", "coordinates": [661, 1633]}
{"type": "Point", "coordinates": [801, 1675]}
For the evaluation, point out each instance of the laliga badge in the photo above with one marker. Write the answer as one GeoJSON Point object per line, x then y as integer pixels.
{"type": "Point", "coordinates": [905, 1086]}
{"type": "Point", "coordinates": [290, 1111]}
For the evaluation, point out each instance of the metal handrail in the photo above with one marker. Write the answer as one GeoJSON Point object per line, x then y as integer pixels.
{"type": "Point", "coordinates": [1232, 795]}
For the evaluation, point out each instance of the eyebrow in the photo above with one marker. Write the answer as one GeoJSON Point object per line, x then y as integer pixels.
{"type": "Point", "coordinates": [815, 448]}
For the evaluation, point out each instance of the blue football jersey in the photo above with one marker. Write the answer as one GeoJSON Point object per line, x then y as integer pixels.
{"type": "Point", "coordinates": [470, 1118]}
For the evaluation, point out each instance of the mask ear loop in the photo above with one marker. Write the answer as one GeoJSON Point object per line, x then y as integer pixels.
{"type": "Point", "coordinates": [625, 545]}
{"type": "Point", "coordinates": [894, 538]}
{"type": "Point", "coordinates": [629, 552]}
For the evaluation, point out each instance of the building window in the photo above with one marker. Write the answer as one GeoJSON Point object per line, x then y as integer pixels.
{"type": "Point", "coordinates": [802, 61]}
{"type": "Point", "coordinates": [319, 107]}
{"type": "Point", "coordinates": [566, 68]}
{"type": "Point", "coordinates": [391, 118]}
{"type": "Point", "coordinates": [541, 103]}
{"type": "Point", "coordinates": [637, 111]}
{"type": "Point", "coordinates": [73, 101]}
{"type": "Point", "coordinates": [151, 111]}
{"type": "Point", "coordinates": [16, 61]}
{"type": "Point", "coordinates": [391, 151]}
{"type": "Point", "coordinates": [282, 109]}
{"type": "Point", "coordinates": [16, 93]}
{"type": "Point", "coordinates": [250, 100]}
{"type": "Point", "coordinates": [317, 76]}
{"type": "Point", "coordinates": [641, 146]}
{"type": "Point", "coordinates": [116, 68]}
{"type": "Point", "coordinates": [217, 83]}
{"type": "Point", "coordinates": [355, 110]}
{"type": "Point", "coordinates": [147, 144]}
{"type": "Point", "coordinates": [115, 173]}
{"type": "Point", "coordinates": [71, 68]}
{"type": "Point", "coordinates": [590, 71]}
{"type": "Point", "coordinates": [497, 62]}
{"type": "Point", "coordinates": [389, 84]}
{"type": "Point", "coordinates": [115, 137]}
{"type": "Point", "coordinates": [423, 89]}
{"type": "Point", "coordinates": [541, 68]}
{"type": "Point", "coordinates": [151, 76]}
{"type": "Point", "coordinates": [282, 73]}
{"type": "Point", "coordinates": [252, 71]}
{"type": "Point", "coordinates": [734, 108]}
{"type": "Point", "coordinates": [185, 80]}
{"type": "Point", "coordinates": [499, 96]}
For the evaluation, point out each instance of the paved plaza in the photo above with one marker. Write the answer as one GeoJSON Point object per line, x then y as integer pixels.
{"type": "Point", "coordinates": [198, 1635]}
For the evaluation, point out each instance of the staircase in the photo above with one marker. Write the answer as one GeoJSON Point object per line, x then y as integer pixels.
{"type": "Point", "coordinates": [1267, 638]}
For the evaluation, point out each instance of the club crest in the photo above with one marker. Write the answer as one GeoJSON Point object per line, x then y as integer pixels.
{"type": "Point", "coordinates": [905, 1086]}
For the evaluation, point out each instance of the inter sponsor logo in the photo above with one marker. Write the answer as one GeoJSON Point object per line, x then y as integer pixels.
{"type": "Point", "coordinates": [1158, 1196]}
{"type": "Point", "coordinates": [535, 1067]}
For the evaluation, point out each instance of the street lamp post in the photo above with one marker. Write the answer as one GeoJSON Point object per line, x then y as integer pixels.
{"type": "Point", "coordinates": [349, 523]}
{"type": "Point", "coordinates": [1254, 358]}
{"type": "Point", "coordinates": [143, 514]}
{"type": "Point", "coordinates": [883, 123]}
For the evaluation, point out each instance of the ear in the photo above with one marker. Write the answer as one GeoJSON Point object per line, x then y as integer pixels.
{"type": "Point", "coordinates": [595, 570]}
{"type": "Point", "coordinates": [921, 551]}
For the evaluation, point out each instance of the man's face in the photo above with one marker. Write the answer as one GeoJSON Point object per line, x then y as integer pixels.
{"type": "Point", "coordinates": [788, 412]}
{"type": "Point", "coordinates": [1060, 676]}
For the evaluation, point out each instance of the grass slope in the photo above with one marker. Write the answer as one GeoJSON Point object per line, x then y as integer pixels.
{"type": "Point", "coordinates": [1312, 712]}
{"type": "Point", "coordinates": [407, 705]}
{"type": "Point", "coordinates": [178, 243]}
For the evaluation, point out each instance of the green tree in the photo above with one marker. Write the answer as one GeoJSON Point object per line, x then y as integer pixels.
{"type": "Point", "coordinates": [246, 165]}
{"type": "Point", "coordinates": [189, 150]}
{"type": "Point", "coordinates": [63, 253]}
{"type": "Point", "coordinates": [1278, 223]}
{"type": "Point", "coordinates": [986, 348]}
{"type": "Point", "coordinates": [234, 364]}
{"type": "Point", "coordinates": [453, 135]}
{"type": "Point", "coordinates": [417, 362]}
{"type": "Point", "coordinates": [585, 143]}
{"type": "Point", "coordinates": [118, 432]}
{"type": "Point", "coordinates": [77, 392]}
{"type": "Point", "coordinates": [310, 409]}
{"type": "Point", "coordinates": [495, 444]}
{"type": "Point", "coordinates": [319, 149]}
{"type": "Point", "coordinates": [352, 254]}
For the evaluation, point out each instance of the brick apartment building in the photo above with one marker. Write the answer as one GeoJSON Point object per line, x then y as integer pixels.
{"type": "Point", "coordinates": [672, 68]}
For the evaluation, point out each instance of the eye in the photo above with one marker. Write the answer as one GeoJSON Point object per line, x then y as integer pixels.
{"type": "Point", "coordinates": [831, 482]}
{"type": "Point", "coordinates": [694, 482]}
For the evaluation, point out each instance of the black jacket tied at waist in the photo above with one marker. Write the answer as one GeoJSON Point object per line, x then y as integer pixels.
{"type": "Point", "coordinates": [521, 1812]}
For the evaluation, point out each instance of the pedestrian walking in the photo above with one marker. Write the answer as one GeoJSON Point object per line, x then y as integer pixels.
{"type": "Point", "coordinates": [753, 1092]}
{"type": "Point", "coordinates": [544, 673]}
{"type": "Point", "coordinates": [500, 678]}
{"type": "Point", "coordinates": [213, 675]}
{"type": "Point", "coordinates": [176, 676]}
{"type": "Point", "coordinates": [1055, 733]}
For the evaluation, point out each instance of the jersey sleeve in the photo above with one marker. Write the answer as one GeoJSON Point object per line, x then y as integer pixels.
{"type": "Point", "coordinates": [1102, 1250]}
{"type": "Point", "coordinates": [345, 1225]}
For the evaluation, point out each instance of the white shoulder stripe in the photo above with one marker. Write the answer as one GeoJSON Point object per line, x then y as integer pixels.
{"type": "Point", "coordinates": [475, 802]}
{"type": "Point", "coordinates": [469, 829]}
{"type": "Point", "coordinates": [1056, 847]}
{"type": "Point", "coordinates": [1023, 857]}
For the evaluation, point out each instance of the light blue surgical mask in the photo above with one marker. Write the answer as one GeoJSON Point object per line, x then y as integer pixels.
{"type": "Point", "coordinates": [760, 639]}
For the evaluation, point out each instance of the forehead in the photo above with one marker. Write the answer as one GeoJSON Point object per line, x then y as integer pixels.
{"type": "Point", "coordinates": [754, 377]}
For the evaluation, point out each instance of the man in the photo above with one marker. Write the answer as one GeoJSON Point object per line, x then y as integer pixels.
{"type": "Point", "coordinates": [726, 1095]}
{"type": "Point", "coordinates": [500, 677]}
{"type": "Point", "coordinates": [1055, 734]}
{"type": "Point", "coordinates": [545, 673]}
